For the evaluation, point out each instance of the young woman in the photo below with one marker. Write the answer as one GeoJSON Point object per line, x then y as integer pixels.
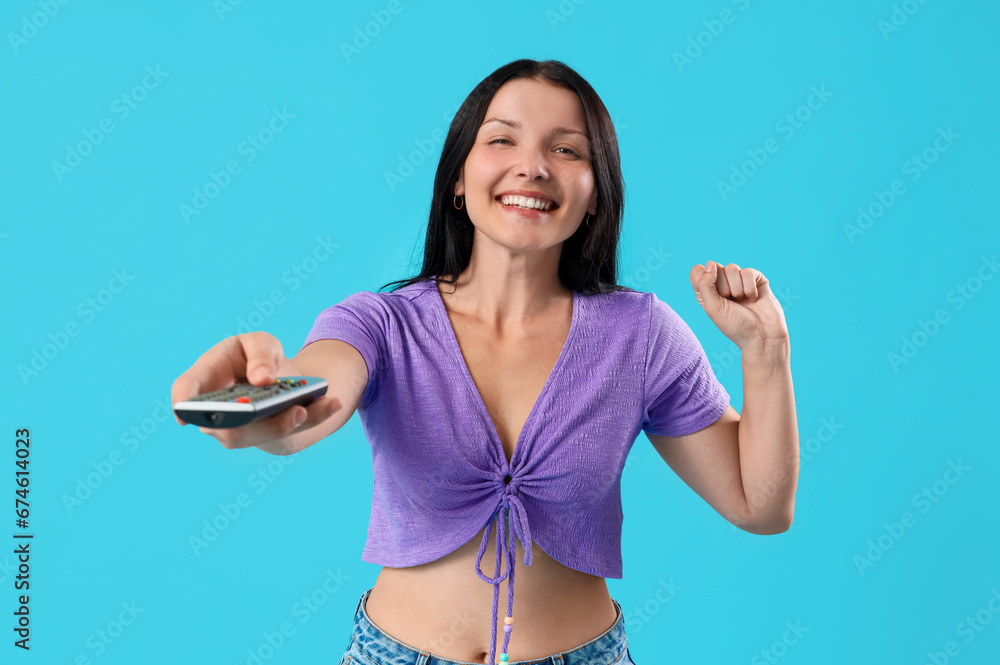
{"type": "Point", "coordinates": [502, 388]}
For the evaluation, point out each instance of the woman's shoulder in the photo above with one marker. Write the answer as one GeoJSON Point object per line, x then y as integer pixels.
{"type": "Point", "coordinates": [388, 299]}
{"type": "Point", "coordinates": [624, 302]}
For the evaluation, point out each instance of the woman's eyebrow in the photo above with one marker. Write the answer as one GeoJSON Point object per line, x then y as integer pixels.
{"type": "Point", "coordinates": [555, 130]}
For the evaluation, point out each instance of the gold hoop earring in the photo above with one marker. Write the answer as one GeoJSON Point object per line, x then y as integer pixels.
{"type": "Point", "coordinates": [458, 207]}
{"type": "Point", "coordinates": [586, 218]}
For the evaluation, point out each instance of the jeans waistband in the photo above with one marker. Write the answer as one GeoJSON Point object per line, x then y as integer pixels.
{"type": "Point", "coordinates": [384, 649]}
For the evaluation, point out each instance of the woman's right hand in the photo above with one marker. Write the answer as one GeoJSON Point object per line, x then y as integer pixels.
{"type": "Point", "coordinates": [256, 358]}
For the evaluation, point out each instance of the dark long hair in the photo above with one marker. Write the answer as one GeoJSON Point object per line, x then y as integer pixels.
{"type": "Point", "coordinates": [589, 259]}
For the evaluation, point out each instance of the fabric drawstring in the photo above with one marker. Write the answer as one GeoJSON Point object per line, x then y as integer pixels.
{"type": "Point", "coordinates": [508, 503]}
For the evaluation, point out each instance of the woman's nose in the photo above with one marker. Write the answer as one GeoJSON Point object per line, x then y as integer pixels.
{"type": "Point", "coordinates": [533, 164]}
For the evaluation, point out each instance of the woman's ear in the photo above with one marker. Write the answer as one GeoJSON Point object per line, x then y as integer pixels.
{"type": "Point", "coordinates": [460, 183]}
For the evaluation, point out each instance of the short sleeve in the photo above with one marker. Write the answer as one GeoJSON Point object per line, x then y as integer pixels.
{"type": "Point", "coordinates": [359, 320]}
{"type": "Point", "coordinates": [680, 391]}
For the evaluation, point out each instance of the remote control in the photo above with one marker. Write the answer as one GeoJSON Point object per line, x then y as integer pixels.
{"type": "Point", "coordinates": [244, 403]}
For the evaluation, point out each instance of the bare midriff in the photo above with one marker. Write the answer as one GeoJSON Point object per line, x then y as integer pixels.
{"type": "Point", "coordinates": [444, 608]}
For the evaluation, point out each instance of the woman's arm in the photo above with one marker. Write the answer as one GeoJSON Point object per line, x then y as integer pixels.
{"type": "Point", "coordinates": [769, 438]}
{"type": "Point", "coordinates": [346, 375]}
{"type": "Point", "coordinates": [746, 466]}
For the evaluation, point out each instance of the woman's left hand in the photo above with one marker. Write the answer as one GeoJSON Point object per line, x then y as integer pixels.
{"type": "Point", "coordinates": [740, 302]}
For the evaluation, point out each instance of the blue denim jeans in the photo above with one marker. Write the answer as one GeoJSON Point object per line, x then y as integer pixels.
{"type": "Point", "coordinates": [370, 646]}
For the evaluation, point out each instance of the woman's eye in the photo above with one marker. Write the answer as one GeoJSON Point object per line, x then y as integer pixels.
{"type": "Point", "coordinates": [560, 148]}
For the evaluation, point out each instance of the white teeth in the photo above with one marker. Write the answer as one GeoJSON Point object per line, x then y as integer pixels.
{"type": "Point", "coordinates": [525, 202]}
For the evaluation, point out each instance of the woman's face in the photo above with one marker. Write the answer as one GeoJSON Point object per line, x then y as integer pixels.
{"type": "Point", "coordinates": [533, 140]}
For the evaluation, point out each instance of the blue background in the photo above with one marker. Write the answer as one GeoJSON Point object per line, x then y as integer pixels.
{"type": "Point", "coordinates": [875, 433]}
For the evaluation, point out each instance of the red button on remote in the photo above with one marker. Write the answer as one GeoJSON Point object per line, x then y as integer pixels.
{"type": "Point", "coordinates": [243, 400]}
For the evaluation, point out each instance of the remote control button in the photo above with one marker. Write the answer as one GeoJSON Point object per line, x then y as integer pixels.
{"type": "Point", "coordinates": [243, 400]}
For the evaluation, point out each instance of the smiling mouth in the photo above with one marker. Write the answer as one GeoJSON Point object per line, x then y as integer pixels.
{"type": "Point", "coordinates": [527, 203]}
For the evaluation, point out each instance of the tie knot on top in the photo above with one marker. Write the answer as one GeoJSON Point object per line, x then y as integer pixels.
{"type": "Point", "coordinates": [510, 485]}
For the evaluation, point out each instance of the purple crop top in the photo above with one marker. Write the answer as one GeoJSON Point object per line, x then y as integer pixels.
{"type": "Point", "coordinates": [441, 475]}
